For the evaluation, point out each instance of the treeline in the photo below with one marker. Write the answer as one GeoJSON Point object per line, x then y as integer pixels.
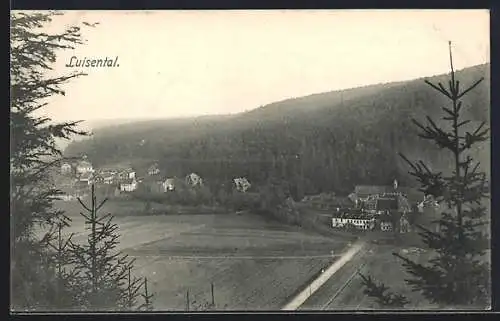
{"type": "Point", "coordinates": [353, 140]}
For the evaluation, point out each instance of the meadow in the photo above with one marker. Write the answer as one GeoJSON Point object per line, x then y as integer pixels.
{"type": "Point", "coordinates": [253, 263]}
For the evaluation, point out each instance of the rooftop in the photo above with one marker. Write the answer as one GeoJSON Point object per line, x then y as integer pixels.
{"type": "Point", "coordinates": [365, 190]}
{"type": "Point", "coordinates": [387, 203]}
{"type": "Point", "coordinates": [84, 163]}
{"type": "Point", "coordinates": [127, 181]}
{"type": "Point", "coordinates": [86, 176]}
{"type": "Point", "coordinates": [354, 214]}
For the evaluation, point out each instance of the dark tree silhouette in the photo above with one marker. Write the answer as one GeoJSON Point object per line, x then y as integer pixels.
{"type": "Point", "coordinates": [33, 152]}
{"type": "Point", "coordinates": [50, 271]}
{"type": "Point", "coordinates": [459, 273]}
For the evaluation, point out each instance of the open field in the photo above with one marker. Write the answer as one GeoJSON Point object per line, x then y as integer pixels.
{"type": "Point", "coordinates": [254, 264]}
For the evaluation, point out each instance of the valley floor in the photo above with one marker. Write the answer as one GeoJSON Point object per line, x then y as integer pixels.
{"type": "Point", "coordinates": [253, 264]}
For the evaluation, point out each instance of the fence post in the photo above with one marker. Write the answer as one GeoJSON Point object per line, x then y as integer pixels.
{"type": "Point", "coordinates": [187, 300]}
{"type": "Point", "coordinates": [212, 290]}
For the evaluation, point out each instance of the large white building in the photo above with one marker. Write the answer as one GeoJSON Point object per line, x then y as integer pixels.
{"type": "Point", "coordinates": [84, 167]}
{"type": "Point", "coordinates": [361, 221]}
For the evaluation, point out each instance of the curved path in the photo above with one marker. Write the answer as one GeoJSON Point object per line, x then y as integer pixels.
{"type": "Point", "coordinates": [300, 298]}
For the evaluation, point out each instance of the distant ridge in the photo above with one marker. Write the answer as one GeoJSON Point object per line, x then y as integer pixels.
{"type": "Point", "coordinates": [342, 138]}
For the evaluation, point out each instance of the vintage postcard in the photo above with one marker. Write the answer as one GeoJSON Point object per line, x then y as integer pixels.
{"type": "Point", "coordinates": [258, 160]}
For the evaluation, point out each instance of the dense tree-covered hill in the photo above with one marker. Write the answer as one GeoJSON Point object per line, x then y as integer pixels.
{"type": "Point", "coordinates": [323, 142]}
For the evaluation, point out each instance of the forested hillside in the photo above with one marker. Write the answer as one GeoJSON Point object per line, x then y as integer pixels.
{"type": "Point", "coordinates": [323, 142]}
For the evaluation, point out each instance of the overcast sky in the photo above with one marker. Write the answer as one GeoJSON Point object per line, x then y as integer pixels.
{"type": "Point", "coordinates": [181, 63]}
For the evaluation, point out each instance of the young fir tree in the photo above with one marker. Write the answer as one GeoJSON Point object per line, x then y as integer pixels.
{"type": "Point", "coordinates": [65, 279]}
{"type": "Point", "coordinates": [147, 297]}
{"type": "Point", "coordinates": [103, 272]}
{"type": "Point", "coordinates": [458, 275]}
{"type": "Point", "coordinates": [32, 152]}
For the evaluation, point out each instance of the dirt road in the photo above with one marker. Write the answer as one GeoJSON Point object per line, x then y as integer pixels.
{"type": "Point", "coordinates": [299, 299]}
{"type": "Point", "coordinates": [332, 291]}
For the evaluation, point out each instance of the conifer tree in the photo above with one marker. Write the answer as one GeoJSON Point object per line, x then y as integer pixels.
{"type": "Point", "coordinates": [103, 272]}
{"type": "Point", "coordinates": [383, 296]}
{"type": "Point", "coordinates": [32, 152]}
{"type": "Point", "coordinates": [458, 275]}
{"type": "Point", "coordinates": [65, 278]}
{"type": "Point", "coordinates": [147, 297]}
{"type": "Point", "coordinates": [50, 272]}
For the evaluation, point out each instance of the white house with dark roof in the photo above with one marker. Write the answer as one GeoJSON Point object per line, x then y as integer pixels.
{"type": "Point", "coordinates": [153, 169]}
{"type": "Point", "coordinates": [194, 179]}
{"type": "Point", "coordinates": [128, 185]}
{"type": "Point", "coordinates": [169, 185]}
{"type": "Point", "coordinates": [84, 167]}
{"type": "Point", "coordinates": [108, 179]}
{"type": "Point", "coordinates": [126, 173]}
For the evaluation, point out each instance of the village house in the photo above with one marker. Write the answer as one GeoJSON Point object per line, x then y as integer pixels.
{"type": "Point", "coordinates": [108, 179]}
{"type": "Point", "coordinates": [84, 167]}
{"type": "Point", "coordinates": [98, 179]}
{"type": "Point", "coordinates": [367, 197]}
{"type": "Point", "coordinates": [385, 226]}
{"type": "Point", "coordinates": [86, 178]}
{"type": "Point", "coordinates": [194, 179]}
{"type": "Point", "coordinates": [126, 174]}
{"type": "Point", "coordinates": [128, 185]}
{"type": "Point", "coordinates": [108, 171]}
{"type": "Point", "coordinates": [386, 222]}
{"type": "Point", "coordinates": [241, 184]}
{"type": "Point", "coordinates": [169, 185]}
{"type": "Point", "coordinates": [153, 170]}
{"type": "Point", "coordinates": [66, 168]}
{"type": "Point", "coordinates": [359, 219]}
{"type": "Point", "coordinates": [363, 193]}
